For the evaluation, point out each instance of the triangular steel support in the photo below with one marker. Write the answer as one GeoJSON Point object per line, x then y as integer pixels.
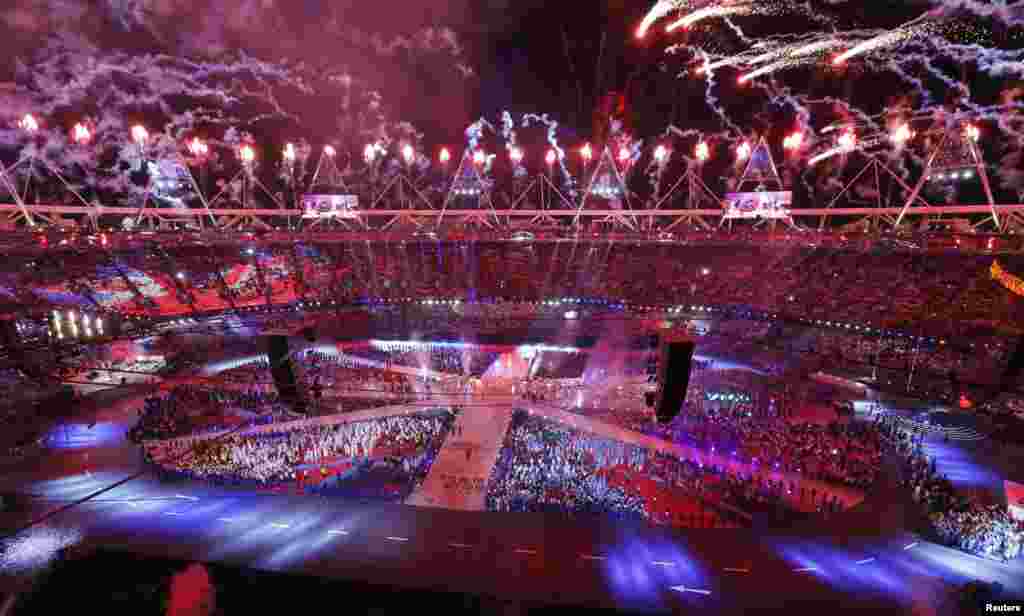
{"type": "Point", "coordinates": [976, 162]}
{"type": "Point", "coordinates": [606, 158]}
{"type": "Point", "coordinates": [878, 168]}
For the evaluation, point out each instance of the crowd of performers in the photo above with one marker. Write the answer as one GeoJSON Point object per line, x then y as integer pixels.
{"type": "Point", "coordinates": [196, 409]}
{"type": "Point", "coordinates": [961, 521]}
{"type": "Point", "coordinates": [269, 458]}
{"type": "Point", "coordinates": [549, 467]}
{"type": "Point", "coordinates": [836, 452]}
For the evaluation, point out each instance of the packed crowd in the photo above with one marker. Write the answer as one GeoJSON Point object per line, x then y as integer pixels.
{"type": "Point", "coordinates": [847, 453]}
{"type": "Point", "coordinates": [959, 520]}
{"type": "Point", "coordinates": [548, 467]}
{"type": "Point", "coordinates": [191, 409]}
{"type": "Point", "coordinates": [935, 293]}
{"type": "Point", "coordinates": [342, 374]}
{"type": "Point", "coordinates": [274, 457]}
{"type": "Point", "coordinates": [739, 413]}
{"type": "Point", "coordinates": [252, 371]}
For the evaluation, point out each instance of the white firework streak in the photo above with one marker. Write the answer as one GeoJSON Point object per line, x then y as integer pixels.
{"type": "Point", "coordinates": [792, 57]}
{"type": "Point", "coordinates": [659, 10]}
{"type": "Point", "coordinates": [475, 132]}
{"type": "Point", "coordinates": [739, 59]}
{"type": "Point", "coordinates": [862, 145]}
{"type": "Point", "coordinates": [737, 30]}
{"type": "Point", "coordinates": [827, 154]}
{"type": "Point", "coordinates": [713, 103]}
{"type": "Point", "coordinates": [708, 13]}
{"type": "Point", "coordinates": [777, 51]}
{"type": "Point", "coordinates": [552, 134]}
{"type": "Point", "coordinates": [879, 42]}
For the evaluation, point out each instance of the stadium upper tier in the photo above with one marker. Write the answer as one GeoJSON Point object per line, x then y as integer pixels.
{"type": "Point", "coordinates": [880, 284]}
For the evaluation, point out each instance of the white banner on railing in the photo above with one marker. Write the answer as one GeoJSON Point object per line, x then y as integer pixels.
{"type": "Point", "coordinates": [758, 205]}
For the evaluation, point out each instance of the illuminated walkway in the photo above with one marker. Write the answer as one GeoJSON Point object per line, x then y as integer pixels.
{"type": "Point", "coordinates": [459, 475]}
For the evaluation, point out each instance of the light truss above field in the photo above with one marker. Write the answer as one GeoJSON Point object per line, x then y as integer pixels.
{"type": "Point", "coordinates": [426, 219]}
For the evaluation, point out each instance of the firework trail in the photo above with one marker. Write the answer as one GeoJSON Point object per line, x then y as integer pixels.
{"type": "Point", "coordinates": [552, 138]}
{"type": "Point", "coordinates": [794, 56]}
{"type": "Point", "coordinates": [659, 10]}
{"type": "Point", "coordinates": [919, 54]}
{"type": "Point", "coordinates": [883, 41]}
{"type": "Point", "coordinates": [709, 12]}
{"type": "Point", "coordinates": [713, 103]}
{"type": "Point", "coordinates": [754, 56]}
{"type": "Point", "coordinates": [508, 133]}
{"type": "Point", "coordinates": [508, 130]}
{"type": "Point", "coordinates": [475, 132]}
{"type": "Point", "coordinates": [737, 30]}
{"type": "Point", "coordinates": [693, 12]}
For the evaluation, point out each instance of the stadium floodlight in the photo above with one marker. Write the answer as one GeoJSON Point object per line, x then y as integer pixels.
{"type": "Point", "coordinates": [848, 140]}
{"type": "Point", "coordinates": [702, 151]}
{"type": "Point", "coordinates": [660, 153]}
{"type": "Point", "coordinates": [140, 135]}
{"type": "Point", "coordinates": [743, 151]}
{"type": "Point", "coordinates": [445, 156]}
{"type": "Point", "coordinates": [902, 134]}
{"type": "Point", "coordinates": [247, 154]}
{"type": "Point", "coordinates": [587, 152]}
{"type": "Point", "coordinates": [198, 147]}
{"type": "Point", "coordinates": [551, 157]}
{"type": "Point", "coordinates": [793, 141]}
{"type": "Point", "coordinates": [81, 134]}
{"type": "Point", "coordinates": [29, 124]}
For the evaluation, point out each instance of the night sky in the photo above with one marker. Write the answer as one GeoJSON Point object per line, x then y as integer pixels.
{"type": "Point", "coordinates": [529, 56]}
{"type": "Point", "coordinates": [440, 65]}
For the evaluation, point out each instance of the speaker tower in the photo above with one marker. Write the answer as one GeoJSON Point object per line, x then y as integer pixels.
{"type": "Point", "coordinates": [673, 378]}
{"type": "Point", "coordinates": [284, 376]}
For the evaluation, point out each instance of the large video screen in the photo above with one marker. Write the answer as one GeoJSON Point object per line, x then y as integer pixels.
{"type": "Point", "coordinates": [758, 205]}
{"type": "Point", "coordinates": [329, 206]}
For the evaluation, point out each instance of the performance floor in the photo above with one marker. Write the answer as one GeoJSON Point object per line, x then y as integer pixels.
{"type": "Point", "coordinates": [93, 488]}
